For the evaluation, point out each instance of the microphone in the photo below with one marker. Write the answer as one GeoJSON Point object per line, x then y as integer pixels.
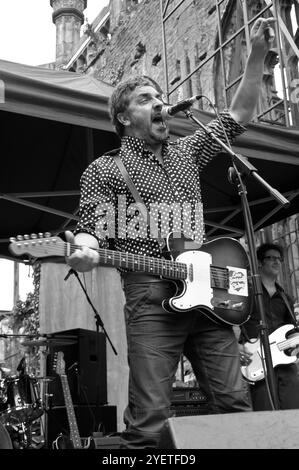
{"type": "Point", "coordinates": [169, 111]}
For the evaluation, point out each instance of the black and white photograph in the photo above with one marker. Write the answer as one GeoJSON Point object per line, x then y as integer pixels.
{"type": "Point", "coordinates": [149, 234]}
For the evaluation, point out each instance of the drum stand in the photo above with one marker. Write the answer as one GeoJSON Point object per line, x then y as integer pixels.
{"type": "Point", "coordinates": [44, 393]}
{"type": "Point", "coordinates": [26, 430]}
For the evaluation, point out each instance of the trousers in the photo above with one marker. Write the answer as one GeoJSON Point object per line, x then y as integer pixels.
{"type": "Point", "coordinates": [155, 340]}
{"type": "Point", "coordinates": [287, 389]}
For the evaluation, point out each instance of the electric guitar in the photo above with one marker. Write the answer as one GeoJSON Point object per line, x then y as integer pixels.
{"type": "Point", "coordinates": [212, 277]}
{"type": "Point", "coordinates": [62, 441]}
{"type": "Point", "coordinates": [278, 344]}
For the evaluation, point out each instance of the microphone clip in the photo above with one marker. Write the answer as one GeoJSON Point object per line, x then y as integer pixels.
{"type": "Point", "coordinates": [169, 111]}
{"type": "Point", "coordinates": [71, 271]}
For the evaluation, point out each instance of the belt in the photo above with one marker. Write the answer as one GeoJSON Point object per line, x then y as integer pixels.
{"type": "Point", "coordinates": [137, 278]}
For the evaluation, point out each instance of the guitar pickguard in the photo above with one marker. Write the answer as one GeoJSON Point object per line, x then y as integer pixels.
{"type": "Point", "coordinates": [197, 289]}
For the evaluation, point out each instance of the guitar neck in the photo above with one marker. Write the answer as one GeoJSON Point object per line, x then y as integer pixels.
{"type": "Point", "coordinates": [142, 263]}
{"type": "Point", "coordinates": [289, 343]}
{"type": "Point", "coordinates": [74, 431]}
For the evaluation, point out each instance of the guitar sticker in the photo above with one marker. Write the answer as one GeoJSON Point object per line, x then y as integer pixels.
{"type": "Point", "coordinates": [237, 281]}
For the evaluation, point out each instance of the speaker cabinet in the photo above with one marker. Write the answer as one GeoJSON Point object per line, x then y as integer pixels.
{"type": "Point", "coordinates": [248, 430]}
{"type": "Point", "coordinates": [85, 367]}
{"type": "Point", "coordinates": [89, 419]}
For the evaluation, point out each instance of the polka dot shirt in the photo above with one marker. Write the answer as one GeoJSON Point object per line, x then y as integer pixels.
{"type": "Point", "coordinates": [108, 210]}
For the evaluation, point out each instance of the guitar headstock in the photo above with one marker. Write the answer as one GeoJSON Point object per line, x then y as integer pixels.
{"type": "Point", "coordinates": [38, 246]}
{"type": "Point", "coordinates": [59, 363]}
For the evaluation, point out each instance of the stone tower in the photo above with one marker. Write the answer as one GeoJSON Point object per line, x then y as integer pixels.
{"type": "Point", "coordinates": [68, 18]}
{"type": "Point", "coordinates": [116, 9]}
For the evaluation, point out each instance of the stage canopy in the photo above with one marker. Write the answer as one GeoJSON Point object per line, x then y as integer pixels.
{"type": "Point", "coordinates": [54, 123]}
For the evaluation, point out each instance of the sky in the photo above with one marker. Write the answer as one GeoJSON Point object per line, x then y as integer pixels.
{"type": "Point", "coordinates": [28, 36]}
{"type": "Point", "coordinates": [27, 33]}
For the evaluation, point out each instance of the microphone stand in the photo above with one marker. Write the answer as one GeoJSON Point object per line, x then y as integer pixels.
{"type": "Point", "coordinates": [99, 322]}
{"type": "Point", "coordinates": [241, 166]}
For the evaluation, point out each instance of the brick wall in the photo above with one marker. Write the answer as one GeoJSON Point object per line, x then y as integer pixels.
{"type": "Point", "coordinates": [190, 35]}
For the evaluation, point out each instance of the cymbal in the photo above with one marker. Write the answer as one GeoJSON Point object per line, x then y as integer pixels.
{"type": "Point", "coordinates": [51, 342]}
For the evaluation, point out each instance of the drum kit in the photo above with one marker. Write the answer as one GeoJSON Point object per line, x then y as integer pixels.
{"type": "Point", "coordinates": [24, 398]}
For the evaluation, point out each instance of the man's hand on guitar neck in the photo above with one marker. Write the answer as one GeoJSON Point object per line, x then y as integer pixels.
{"type": "Point", "coordinates": [85, 258]}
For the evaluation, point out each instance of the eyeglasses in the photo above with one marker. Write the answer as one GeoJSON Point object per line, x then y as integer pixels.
{"type": "Point", "coordinates": [274, 258]}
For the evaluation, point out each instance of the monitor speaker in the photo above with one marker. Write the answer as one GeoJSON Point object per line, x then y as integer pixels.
{"type": "Point", "coordinates": [84, 354]}
{"type": "Point", "coordinates": [248, 430]}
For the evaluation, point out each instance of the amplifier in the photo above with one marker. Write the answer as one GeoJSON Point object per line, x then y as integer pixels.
{"type": "Point", "coordinates": [188, 401]}
{"type": "Point", "coordinates": [187, 396]}
{"type": "Point", "coordinates": [87, 382]}
{"type": "Point", "coordinates": [189, 410]}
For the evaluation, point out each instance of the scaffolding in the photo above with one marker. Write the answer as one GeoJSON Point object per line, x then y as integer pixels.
{"type": "Point", "coordinates": [281, 70]}
{"type": "Point", "coordinates": [281, 64]}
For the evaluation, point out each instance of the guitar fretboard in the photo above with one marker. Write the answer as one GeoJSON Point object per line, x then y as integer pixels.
{"type": "Point", "coordinates": [288, 343]}
{"type": "Point", "coordinates": [158, 266]}
{"type": "Point", "coordinates": [74, 431]}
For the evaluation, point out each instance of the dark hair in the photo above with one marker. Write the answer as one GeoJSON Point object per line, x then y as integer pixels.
{"type": "Point", "coordinates": [262, 249]}
{"type": "Point", "coordinates": [120, 97]}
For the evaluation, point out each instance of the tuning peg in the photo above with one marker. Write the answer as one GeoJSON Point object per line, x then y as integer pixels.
{"type": "Point", "coordinates": [26, 237]}
{"type": "Point", "coordinates": [40, 235]}
{"type": "Point", "coordinates": [12, 239]}
{"type": "Point", "coordinates": [33, 236]}
{"type": "Point", "coordinates": [20, 238]}
{"type": "Point", "coordinates": [47, 235]}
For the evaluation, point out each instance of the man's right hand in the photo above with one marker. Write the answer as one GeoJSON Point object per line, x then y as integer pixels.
{"type": "Point", "coordinates": [85, 258]}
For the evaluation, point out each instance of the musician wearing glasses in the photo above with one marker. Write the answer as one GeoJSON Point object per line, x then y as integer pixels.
{"type": "Point", "coordinates": [283, 338]}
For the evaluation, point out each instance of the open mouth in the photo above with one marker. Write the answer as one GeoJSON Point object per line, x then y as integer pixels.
{"type": "Point", "coordinates": [158, 120]}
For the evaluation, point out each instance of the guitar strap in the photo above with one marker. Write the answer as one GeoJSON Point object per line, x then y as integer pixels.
{"type": "Point", "coordinates": [138, 199]}
{"type": "Point", "coordinates": [287, 304]}
{"type": "Point", "coordinates": [129, 182]}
